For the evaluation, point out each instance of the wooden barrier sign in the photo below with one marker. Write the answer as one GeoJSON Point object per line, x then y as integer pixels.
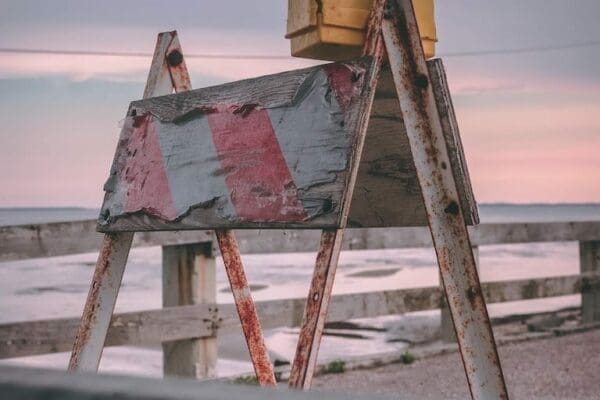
{"type": "Point", "coordinates": [361, 143]}
{"type": "Point", "coordinates": [273, 152]}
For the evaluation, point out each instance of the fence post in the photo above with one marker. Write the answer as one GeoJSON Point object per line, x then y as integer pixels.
{"type": "Point", "coordinates": [189, 277]}
{"type": "Point", "coordinates": [447, 333]}
{"type": "Point", "coordinates": [589, 262]}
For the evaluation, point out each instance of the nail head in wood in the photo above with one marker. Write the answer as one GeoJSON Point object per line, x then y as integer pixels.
{"type": "Point", "coordinates": [174, 58]}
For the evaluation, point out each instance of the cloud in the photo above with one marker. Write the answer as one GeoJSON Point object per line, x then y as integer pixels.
{"type": "Point", "coordinates": [135, 69]}
{"type": "Point", "coordinates": [481, 85]}
{"type": "Point", "coordinates": [533, 151]}
{"type": "Point", "coordinates": [528, 121]}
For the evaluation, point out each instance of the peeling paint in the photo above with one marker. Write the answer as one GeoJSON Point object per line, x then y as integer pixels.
{"type": "Point", "coordinates": [439, 189]}
{"type": "Point", "coordinates": [262, 162]}
{"type": "Point", "coordinates": [246, 308]}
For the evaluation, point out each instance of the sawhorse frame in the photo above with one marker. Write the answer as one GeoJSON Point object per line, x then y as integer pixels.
{"type": "Point", "coordinates": [393, 30]}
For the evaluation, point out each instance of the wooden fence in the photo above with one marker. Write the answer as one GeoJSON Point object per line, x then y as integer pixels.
{"type": "Point", "coordinates": [190, 320]}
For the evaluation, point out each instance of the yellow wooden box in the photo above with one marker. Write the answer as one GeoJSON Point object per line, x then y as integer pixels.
{"type": "Point", "coordinates": [334, 30]}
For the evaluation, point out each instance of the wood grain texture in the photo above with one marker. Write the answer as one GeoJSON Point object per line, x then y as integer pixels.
{"type": "Point", "coordinates": [164, 77]}
{"type": "Point", "coordinates": [387, 192]}
{"type": "Point", "coordinates": [205, 320]}
{"type": "Point", "coordinates": [319, 293]}
{"type": "Point", "coordinates": [65, 238]}
{"type": "Point", "coordinates": [21, 383]}
{"type": "Point", "coordinates": [199, 178]}
{"type": "Point", "coordinates": [145, 327]}
{"type": "Point", "coordinates": [589, 263]}
{"type": "Point", "coordinates": [441, 196]}
{"type": "Point", "coordinates": [269, 152]}
{"type": "Point", "coordinates": [189, 277]}
{"type": "Point", "coordinates": [302, 15]}
{"type": "Point", "coordinates": [100, 302]}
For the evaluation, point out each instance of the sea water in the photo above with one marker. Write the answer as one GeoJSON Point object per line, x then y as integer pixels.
{"type": "Point", "coordinates": [56, 287]}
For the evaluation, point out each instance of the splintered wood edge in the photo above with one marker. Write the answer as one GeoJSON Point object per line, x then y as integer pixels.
{"type": "Point", "coordinates": [450, 126]}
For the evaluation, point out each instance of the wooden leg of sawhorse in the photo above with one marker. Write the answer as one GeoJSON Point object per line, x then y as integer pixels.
{"type": "Point", "coordinates": [100, 302]}
{"type": "Point", "coordinates": [319, 295]}
{"type": "Point", "coordinates": [245, 307]}
{"type": "Point", "coordinates": [87, 349]}
{"type": "Point", "coordinates": [442, 203]}
{"type": "Point", "coordinates": [315, 312]}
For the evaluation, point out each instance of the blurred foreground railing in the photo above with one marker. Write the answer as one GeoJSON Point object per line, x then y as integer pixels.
{"type": "Point", "coordinates": [29, 383]}
{"type": "Point", "coordinates": [190, 321]}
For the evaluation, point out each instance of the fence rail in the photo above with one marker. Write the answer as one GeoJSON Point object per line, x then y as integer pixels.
{"type": "Point", "coordinates": [202, 322]}
{"type": "Point", "coordinates": [65, 238]}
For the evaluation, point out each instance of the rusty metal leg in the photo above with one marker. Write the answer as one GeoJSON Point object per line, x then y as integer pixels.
{"type": "Point", "coordinates": [319, 295]}
{"type": "Point", "coordinates": [440, 195]}
{"type": "Point", "coordinates": [315, 312]}
{"type": "Point", "coordinates": [245, 307]}
{"type": "Point", "coordinates": [100, 302]}
{"type": "Point", "coordinates": [168, 72]}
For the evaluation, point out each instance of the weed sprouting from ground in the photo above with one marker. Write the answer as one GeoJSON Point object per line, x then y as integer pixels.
{"type": "Point", "coordinates": [334, 367]}
{"type": "Point", "coordinates": [246, 380]}
{"type": "Point", "coordinates": [407, 358]}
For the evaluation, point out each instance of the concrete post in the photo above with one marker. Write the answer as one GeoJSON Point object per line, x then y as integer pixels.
{"type": "Point", "coordinates": [589, 262]}
{"type": "Point", "coordinates": [447, 333]}
{"type": "Point", "coordinates": [189, 277]}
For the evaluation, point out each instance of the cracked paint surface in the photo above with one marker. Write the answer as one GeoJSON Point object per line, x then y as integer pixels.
{"type": "Point", "coordinates": [252, 161]}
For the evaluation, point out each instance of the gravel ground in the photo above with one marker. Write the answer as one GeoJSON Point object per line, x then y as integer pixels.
{"type": "Point", "coordinates": [565, 367]}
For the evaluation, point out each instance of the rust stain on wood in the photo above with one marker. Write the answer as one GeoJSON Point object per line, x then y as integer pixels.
{"type": "Point", "coordinates": [90, 311]}
{"type": "Point", "coordinates": [440, 195]}
{"type": "Point", "coordinates": [246, 308]}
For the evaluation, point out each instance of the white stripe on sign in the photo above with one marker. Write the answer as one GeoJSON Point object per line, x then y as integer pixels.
{"type": "Point", "coordinates": [314, 141]}
{"type": "Point", "coordinates": [195, 173]}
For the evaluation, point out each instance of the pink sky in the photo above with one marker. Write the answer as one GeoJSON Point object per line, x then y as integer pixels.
{"type": "Point", "coordinates": [529, 123]}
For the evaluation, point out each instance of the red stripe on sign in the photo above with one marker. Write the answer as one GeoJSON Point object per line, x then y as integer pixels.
{"type": "Point", "coordinates": [257, 175]}
{"type": "Point", "coordinates": [144, 176]}
{"type": "Point", "coordinates": [344, 82]}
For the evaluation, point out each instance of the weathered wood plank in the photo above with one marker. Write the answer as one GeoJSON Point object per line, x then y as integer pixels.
{"type": "Point", "coordinates": [441, 195]}
{"type": "Point", "coordinates": [56, 335]}
{"type": "Point", "coordinates": [189, 277]}
{"type": "Point", "coordinates": [196, 321]}
{"type": "Point", "coordinates": [65, 238]}
{"type": "Point", "coordinates": [589, 262]}
{"type": "Point", "coordinates": [100, 302]}
{"type": "Point", "coordinates": [319, 293]}
{"type": "Point", "coordinates": [246, 308]}
{"type": "Point", "coordinates": [18, 383]}
{"type": "Point", "coordinates": [302, 15]}
{"type": "Point", "coordinates": [387, 192]}
{"type": "Point", "coordinates": [190, 173]}
{"type": "Point", "coordinates": [534, 232]}
{"type": "Point", "coordinates": [166, 74]}
{"type": "Point", "coordinates": [269, 152]}
{"type": "Point", "coordinates": [397, 238]}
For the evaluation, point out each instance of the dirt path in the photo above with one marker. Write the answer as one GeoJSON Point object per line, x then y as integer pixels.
{"type": "Point", "coordinates": [559, 368]}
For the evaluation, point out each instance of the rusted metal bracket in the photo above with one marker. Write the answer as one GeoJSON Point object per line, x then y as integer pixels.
{"type": "Point", "coordinates": [440, 195]}
{"type": "Point", "coordinates": [163, 78]}
{"type": "Point", "coordinates": [214, 322]}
